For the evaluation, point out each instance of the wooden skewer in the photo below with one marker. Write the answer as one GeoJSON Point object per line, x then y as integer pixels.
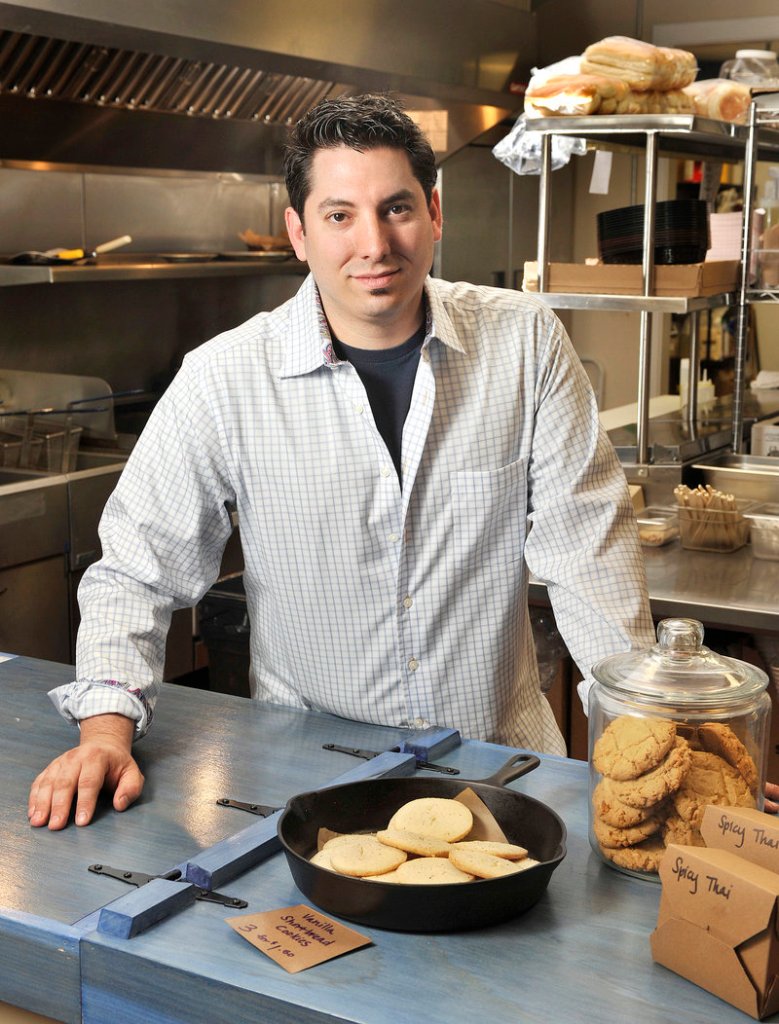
{"type": "Point", "coordinates": [712, 517]}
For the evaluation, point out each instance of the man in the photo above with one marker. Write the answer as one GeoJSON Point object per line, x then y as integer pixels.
{"type": "Point", "coordinates": [401, 452]}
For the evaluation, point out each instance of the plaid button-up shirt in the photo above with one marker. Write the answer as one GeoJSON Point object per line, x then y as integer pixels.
{"type": "Point", "coordinates": [396, 606]}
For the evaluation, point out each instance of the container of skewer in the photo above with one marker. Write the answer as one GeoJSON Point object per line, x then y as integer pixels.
{"type": "Point", "coordinates": [710, 520]}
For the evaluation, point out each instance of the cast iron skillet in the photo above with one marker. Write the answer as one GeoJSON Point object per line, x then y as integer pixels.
{"type": "Point", "coordinates": [368, 806]}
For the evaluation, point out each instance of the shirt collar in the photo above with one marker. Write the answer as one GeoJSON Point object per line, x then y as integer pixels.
{"type": "Point", "coordinates": [311, 347]}
{"type": "Point", "coordinates": [439, 323]}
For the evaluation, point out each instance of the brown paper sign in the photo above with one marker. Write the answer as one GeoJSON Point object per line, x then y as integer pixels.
{"type": "Point", "coordinates": [297, 937]}
{"type": "Point", "coordinates": [750, 833]}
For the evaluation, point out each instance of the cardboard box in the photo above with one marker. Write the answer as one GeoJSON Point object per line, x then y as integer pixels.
{"type": "Point", "coordinates": [637, 496]}
{"type": "Point", "coordinates": [765, 438]}
{"type": "Point", "coordinates": [745, 831]}
{"type": "Point", "coordinates": [684, 280]}
{"type": "Point", "coordinates": [717, 926]}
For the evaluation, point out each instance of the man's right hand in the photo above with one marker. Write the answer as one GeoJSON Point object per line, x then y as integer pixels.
{"type": "Point", "coordinates": [102, 758]}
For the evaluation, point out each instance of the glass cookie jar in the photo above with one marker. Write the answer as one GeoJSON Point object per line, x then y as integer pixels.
{"type": "Point", "coordinates": [671, 730]}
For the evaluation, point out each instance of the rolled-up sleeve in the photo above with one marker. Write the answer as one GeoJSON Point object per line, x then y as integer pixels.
{"type": "Point", "coordinates": [162, 533]}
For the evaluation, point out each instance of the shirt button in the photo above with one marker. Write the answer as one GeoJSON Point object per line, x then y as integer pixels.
{"type": "Point", "coordinates": [394, 538]}
{"type": "Point", "coordinates": [413, 664]}
{"type": "Point", "coordinates": [407, 601]}
{"type": "Point", "coordinates": [359, 408]}
{"type": "Point", "coordinates": [385, 471]}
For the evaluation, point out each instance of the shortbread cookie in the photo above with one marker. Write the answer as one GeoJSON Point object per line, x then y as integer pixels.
{"type": "Point", "coordinates": [608, 835]}
{"type": "Point", "coordinates": [710, 780]}
{"type": "Point", "coordinates": [658, 783]}
{"type": "Point", "coordinates": [613, 811]}
{"type": "Point", "coordinates": [630, 746]}
{"type": "Point", "coordinates": [429, 871]}
{"type": "Point", "coordinates": [347, 837]}
{"type": "Point", "coordinates": [434, 816]}
{"type": "Point", "coordinates": [717, 738]}
{"type": "Point", "coordinates": [483, 865]}
{"type": "Point", "coordinates": [525, 863]}
{"type": "Point", "coordinates": [644, 856]}
{"type": "Point", "coordinates": [366, 857]}
{"type": "Point", "coordinates": [411, 842]}
{"type": "Point", "coordinates": [507, 850]}
{"type": "Point", "coordinates": [388, 876]}
{"type": "Point", "coordinates": [322, 860]}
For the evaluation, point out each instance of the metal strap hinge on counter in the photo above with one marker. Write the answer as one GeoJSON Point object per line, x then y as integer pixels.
{"type": "Point", "coordinates": [261, 810]}
{"type": "Point", "coordinates": [155, 898]}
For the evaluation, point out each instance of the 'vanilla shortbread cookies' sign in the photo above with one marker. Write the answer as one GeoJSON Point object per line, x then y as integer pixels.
{"type": "Point", "coordinates": [297, 937]}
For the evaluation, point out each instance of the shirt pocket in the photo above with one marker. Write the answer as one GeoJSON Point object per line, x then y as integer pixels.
{"type": "Point", "coordinates": [490, 513]}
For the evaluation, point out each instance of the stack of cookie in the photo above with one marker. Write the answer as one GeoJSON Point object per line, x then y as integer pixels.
{"type": "Point", "coordinates": [424, 844]}
{"type": "Point", "coordinates": [657, 778]}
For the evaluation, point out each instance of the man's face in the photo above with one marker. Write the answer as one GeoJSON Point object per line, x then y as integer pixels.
{"type": "Point", "coordinates": [368, 239]}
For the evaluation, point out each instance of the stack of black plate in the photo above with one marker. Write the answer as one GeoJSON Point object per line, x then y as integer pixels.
{"type": "Point", "coordinates": [681, 233]}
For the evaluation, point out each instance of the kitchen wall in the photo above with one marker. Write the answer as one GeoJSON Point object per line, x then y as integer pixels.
{"type": "Point", "coordinates": [131, 333]}
{"type": "Point", "coordinates": [163, 212]}
{"type": "Point", "coordinates": [566, 26]}
{"type": "Point", "coordinates": [491, 218]}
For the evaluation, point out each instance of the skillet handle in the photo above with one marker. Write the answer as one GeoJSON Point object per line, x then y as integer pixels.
{"type": "Point", "coordinates": [516, 766]}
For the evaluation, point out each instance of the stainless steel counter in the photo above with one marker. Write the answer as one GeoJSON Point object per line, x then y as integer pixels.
{"type": "Point", "coordinates": [734, 591]}
{"type": "Point", "coordinates": [675, 442]}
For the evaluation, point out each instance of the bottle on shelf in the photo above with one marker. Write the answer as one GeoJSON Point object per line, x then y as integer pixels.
{"type": "Point", "coordinates": [767, 243]}
{"type": "Point", "coordinates": [705, 386]}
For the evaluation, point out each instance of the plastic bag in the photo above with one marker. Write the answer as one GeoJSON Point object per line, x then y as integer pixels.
{"type": "Point", "coordinates": [520, 150]}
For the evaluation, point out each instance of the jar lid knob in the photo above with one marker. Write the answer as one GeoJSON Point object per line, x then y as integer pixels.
{"type": "Point", "coordinates": [680, 635]}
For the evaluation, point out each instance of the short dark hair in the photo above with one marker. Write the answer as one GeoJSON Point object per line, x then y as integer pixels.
{"type": "Point", "coordinates": [359, 122]}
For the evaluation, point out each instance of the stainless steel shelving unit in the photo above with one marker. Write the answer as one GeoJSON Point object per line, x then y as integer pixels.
{"type": "Point", "coordinates": [763, 119]}
{"type": "Point", "coordinates": [681, 136]}
{"type": "Point", "coordinates": [140, 268]}
{"type": "Point", "coordinates": [635, 303]}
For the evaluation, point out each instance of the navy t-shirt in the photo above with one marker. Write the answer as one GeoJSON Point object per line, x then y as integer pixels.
{"type": "Point", "coordinates": [388, 376]}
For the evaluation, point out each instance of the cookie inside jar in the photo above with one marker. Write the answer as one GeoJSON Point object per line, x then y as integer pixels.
{"type": "Point", "coordinates": [672, 729]}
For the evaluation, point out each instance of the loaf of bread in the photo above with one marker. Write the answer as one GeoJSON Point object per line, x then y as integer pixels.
{"type": "Point", "coordinates": [656, 101]}
{"type": "Point", "coordinates": [574, 95]}
{"type": "Point", "coordinates": [641, 65]}
{"type": "Point", "coordinates": [581, 95]}
{"type": "Point", "coordinates": [719, 99]}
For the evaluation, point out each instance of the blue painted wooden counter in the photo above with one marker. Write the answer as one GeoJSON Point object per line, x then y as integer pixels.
{"type": "Point", "coordinates": [581, 953]}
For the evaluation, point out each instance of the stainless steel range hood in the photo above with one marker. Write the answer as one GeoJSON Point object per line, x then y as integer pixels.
{"type": "Point", "coordinates": [212, 84]}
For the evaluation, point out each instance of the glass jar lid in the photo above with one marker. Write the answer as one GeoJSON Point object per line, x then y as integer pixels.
{"type": "Point", "coordinates": [757, 54]}
{"type": "Point", "coordinates": [679, 670]}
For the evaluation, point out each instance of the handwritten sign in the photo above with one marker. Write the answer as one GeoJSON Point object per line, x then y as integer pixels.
{"type": "Point", "coordinates": [711, 883]}
{"type": "Point", "coordinates": [743, 830]}
{"type": "Point", "coordinates": [297, 937]}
